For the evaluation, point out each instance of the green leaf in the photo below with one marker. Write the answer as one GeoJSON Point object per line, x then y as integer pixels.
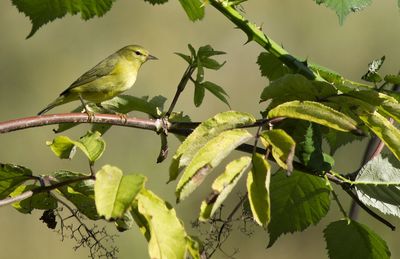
{"type": "Point", "coordinates": [153, 2]}
{"type": "Point", "coordinates": [385, 130]}
{"type": "Point", "coordinates": [41, 12]}
{"type": "Point", "coordinates": [40, 201]}
{"type": "Point", "coordinates": [187, 58]}
{"type": "Point", "coordinates": [393, 79]}
{"type": "Point", "coordinates": [92, 145]}
{"type": "Point", "coordinates": [314, 112]}
{"type": "Point", "coordinates": [282, 145]}
{"type": "Point", "coordinates": [207, 158]}
{"type": "Point", "coordinates": [216, 90]}
{"type": "Point", "coordinates": [161, 227]}
{"type": "Point", "coordinates": [372, 73]}
{"type": "Point", "coordinates": [297, 201]}
{"type": "Point", "coordinates": [115, 192]}
{"type": "Point", "coordinates": [378, 185]}
{"type": "Point", "coordinates": [344, 7]}
{"type": "Point", "coordinates": [327, 74]}
{"type": "Point", "coordinates": [202, 134]}
{"type": "Point", "coordinates": [193, 8]}
{"type": "Point", "coordinates": [309, 150]}
{"type": "Point", "coordinates": [223, 185]}
{"type": "Point", "coordinates": [125, 223]}
{"type": "Point", "coordinates": [81, 193]}
{"type": "Point", "coordinates": [337, 139]}
{"type": "Point", "coordinates": [207, 51]}
{"type": "Point", "coordinates": [11, 176]}
{"type": "Point", "coordinates": [292, 87]}
{"type": "Point", "coordinates": [258, 186]}
{"type": "Point", "coordinates": [271, 67]}
{"type": "Point", "coordinates": [350, 239]}
{"type": "Point", "coordinates": [199, 93]}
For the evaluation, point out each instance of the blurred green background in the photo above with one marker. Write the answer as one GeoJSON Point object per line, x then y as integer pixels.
{"type": "Point", "coordinates": [34, 71]}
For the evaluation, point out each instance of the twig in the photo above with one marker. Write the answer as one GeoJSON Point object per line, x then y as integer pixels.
{"type": "Point", "coordinates": [41, 189]}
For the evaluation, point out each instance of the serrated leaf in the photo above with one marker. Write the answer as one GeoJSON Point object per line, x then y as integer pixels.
{"type": "Point", "coordinates": [115, 192]}
{"type": "Point", "coordinates": [385, 130]}
{"type": "Point", "coordinates": [40, 201]}
{"type": "Point", "coordinates": [378, 185]}
{"type": "Point", "coordinates": [314, 112]}
{"type": "Point", "coordinates": [350, 239]}
{"type": "Point", "coordinates": [207, 158]}
{"type": "Point", "coordinates": [292, 87]}
{"type": "Point", "coordinates": [223, 185]}
{"type": "Point", "coordinates": [199, 93]}
{"type": "Point", "coordinates": [344, 7]}
{"type": "Point", "coordinates": [81, 194]}
{"type": "Point", "coordinates": [297, 202]}
{"type": "Point", "coordinates": [216, 90]}
{"type": "Point", "coordinates": [41, 12]}
{"type": "Point", "coordinates": [193, 8]}
{"type": "Point", "coordinates": [161, 227]}
{"type": "Point", "coordinates": [92, 145]}
{"type": "Point", "coordinates": [258, 189]}
{"type": "Point", "coordinates": [202, 134]}
{"type": "Point", "coordinates": [282, 145]}
{"type": "Point", "coordinates": [271, 67]}
{"type": "Point", "coordinates": [11, 176]}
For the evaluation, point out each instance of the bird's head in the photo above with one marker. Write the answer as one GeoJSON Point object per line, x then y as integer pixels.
{"type": "Point", "coordinates": [136, 53]}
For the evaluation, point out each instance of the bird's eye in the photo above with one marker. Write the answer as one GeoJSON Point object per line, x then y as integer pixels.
{"type": "Point", "coordinates": [137, 52]}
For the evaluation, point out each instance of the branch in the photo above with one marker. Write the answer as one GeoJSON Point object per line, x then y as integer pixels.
{"type": "Point", "coordinates": [30, 193]}
{"type": "Point", "coordinates": [254, 33]}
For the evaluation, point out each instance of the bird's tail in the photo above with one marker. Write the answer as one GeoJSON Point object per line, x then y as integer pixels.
{"type": "Point", "coordinates": [60, 100]}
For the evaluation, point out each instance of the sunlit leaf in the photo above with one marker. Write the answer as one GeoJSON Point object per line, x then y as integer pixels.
{"type": "Point", "coordinates": [207, 158]}
{"type": "Point", "coordinates": [11, 176]}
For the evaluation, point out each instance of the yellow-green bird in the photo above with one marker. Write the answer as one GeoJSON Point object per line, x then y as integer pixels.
{"type": "Point", "coordinates": [112, 76]}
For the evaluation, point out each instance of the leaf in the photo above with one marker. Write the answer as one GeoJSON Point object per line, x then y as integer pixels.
{"type": "Point", "coordinates": [350, 239]}
{"type": "Point", "coordinates": [314, 112]}
{"type": "Point", "coordinates": [297, 201]}
{"type": "Point", "coordinates": [11, 176]}
{"type": "Point", "coordinates": [92, 145]}
{"type": "Point", "coordinates": [344, 7]}
{"type": "Point", "coordinates": [385, 130]}
{"type": "Point", "coordinates": [372, 73]}
{"type": "Point", "coordinates": [199, 93]}
{"type": "Point", "coordinates": [223, 185]}
{"type": "Point", "coordinates": [393, 79]}
{"type": "Point", "coordinates": [125, 223]}
{"type": "Point", "coordinates": [216, 90]}
{"type": "Point", "coordinates": [207, 158]}
{"type": "Point", "coordinates": [337, 139]}
{"type": "Point", "coordinates": [283, 147]}
{"type": "Point", "coordinates": [193, 8]}
{"type": "Point", "coordinates": [271, 67]}
{"type": "Point", "coordinates": [115, 192]}
{"type": "Point", "coordinates": [40, 201]}
{"type": "Point", "coordinates": [378, 185]}
{"type": "Point", "coordinates": [292, 87]}
{"type": "Point", "coordinates": [187, 58]}
{"type": "Point", "coordinates": [41, 12]}
{"type": "Point", "coordinates": [161, 227]}
{"type": "Point", "coordinates": [153, 2]}
{"type": "Point", "coordinates": [81, 193]}
{"type": "Point", "coordinates": [202, 134]}
{"type": "Point", "coordinates": [258, 187]}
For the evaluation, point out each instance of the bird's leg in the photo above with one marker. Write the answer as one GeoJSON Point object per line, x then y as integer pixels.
{"type": "Point", "coordinates": [87, 111]}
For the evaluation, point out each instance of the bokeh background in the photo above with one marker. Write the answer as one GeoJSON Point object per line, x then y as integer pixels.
{"type": "Point", "coordinates": [35, 71]}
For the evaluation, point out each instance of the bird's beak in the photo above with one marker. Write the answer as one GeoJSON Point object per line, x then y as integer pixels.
{"type": "Point", "coordinates": [150, 57]}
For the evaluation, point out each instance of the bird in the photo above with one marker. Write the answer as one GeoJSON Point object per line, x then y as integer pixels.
{"type": "Point", "coordinates": [109, 78]}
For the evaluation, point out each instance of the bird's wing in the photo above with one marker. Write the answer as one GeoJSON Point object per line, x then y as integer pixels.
{"type": "Point", "coordinates": [102, 69]}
